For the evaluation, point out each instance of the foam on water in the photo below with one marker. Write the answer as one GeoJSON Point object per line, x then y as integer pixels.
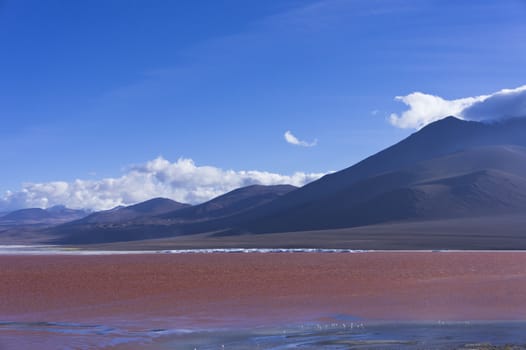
{"type": "Point", "coordinates": [58, 250]}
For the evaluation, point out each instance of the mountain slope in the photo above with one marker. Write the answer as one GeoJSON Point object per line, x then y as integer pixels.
{"type": "Point", "coordinates": [481, 181]}
{"type": "Point", "coordinates": [450, 168]}
{"type": "Point", "coordinates": [28, 214]}
{"type": "Point", "coordinates": [103, 226]}
{"type": "Point", "coordinates": [149, 208]}
{"type": "Point", "coordinates": [37, 216]}
{"type": "Point", "coordinates": [437, 139]}
{"type": "Point", "coordinates": [231, 203]}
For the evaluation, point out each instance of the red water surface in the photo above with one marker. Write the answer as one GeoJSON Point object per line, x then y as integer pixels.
{"type": "Point", "coordinates": [245, 290]}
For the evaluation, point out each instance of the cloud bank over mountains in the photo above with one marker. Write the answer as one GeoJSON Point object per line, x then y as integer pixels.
{"type": "Point", "coordinates": [183, 181]}
{"type": "Point", "coordinates": [425, 108]}
{"type": "Point", "coordinates": [186, 182]}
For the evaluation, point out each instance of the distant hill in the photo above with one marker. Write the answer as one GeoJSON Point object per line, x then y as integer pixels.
{"type": "Point", "coordinates": [149, 208]}
{"type": "Point", "coordinates": [34, 214]}
{"type": "Point", "coordinates": [131, 223]}
{"type": "Point", "coordinates": [450, 169]}
{"type": "Point", "coordinates": [231, 203]}
{"type": "Point", "coordinates": [37, 216]}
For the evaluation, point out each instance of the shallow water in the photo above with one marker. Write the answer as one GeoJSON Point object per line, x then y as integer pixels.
{"type": "Point", "coordinates": [336, 336]}
{"type": "Point", "coordinates": [357, 335]}
{"type": "Point", "coordinates": [66, 336]}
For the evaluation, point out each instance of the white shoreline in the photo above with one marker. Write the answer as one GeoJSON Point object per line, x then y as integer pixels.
{"type": "Point", "coordinates": [58, 250]}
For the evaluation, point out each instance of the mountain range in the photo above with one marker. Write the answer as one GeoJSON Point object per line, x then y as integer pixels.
{"type": "Point", "coordinates": [451, 171]}
{"type": "Point", "coordinates": [37, 216]}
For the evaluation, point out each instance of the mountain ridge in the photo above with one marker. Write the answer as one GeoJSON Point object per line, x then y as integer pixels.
{"type": "Point", "coordinates": [449, 169]}
{"type": "Point", "coordinates": [154, 206]}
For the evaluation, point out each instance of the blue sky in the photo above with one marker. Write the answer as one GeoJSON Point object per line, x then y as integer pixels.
{"type": "Point", "coordinates": [90, 89]}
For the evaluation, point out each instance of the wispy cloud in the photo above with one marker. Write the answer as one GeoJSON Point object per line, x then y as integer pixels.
{"type": "Point", "coordinates": [183, 181]}
{"type": "Point", "coordinates": [425, 108]}
{"type": "Point", "coordinates": [293, 140]}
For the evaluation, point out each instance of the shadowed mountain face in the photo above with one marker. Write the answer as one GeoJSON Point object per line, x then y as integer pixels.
{"type": "Point", "coordinates": [231, 203]}
{"type": "Point", "coordinates": [37, 216]}
{"type": "Point", "coordinates": [27, 214]}
{"type": "Point", "coordinates": [384, 187]}
{"type": "Point", "coordinates": [483, 181]}
{"type": "Point", "coordinates": [444, 137]}
{"type": "Point", "coordinates": [145, 209]}
{"type": "Point", "coordinates": [449, 169]}
{"type": "Point", "coordinates": [135, 222]}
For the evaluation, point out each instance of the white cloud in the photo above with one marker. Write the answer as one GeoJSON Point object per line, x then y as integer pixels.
{"type": "Point", "coordinates": [507, 103]}
{"type": "Point", "coordinates": [425, 108]}
{"type": "Point", "coordinates": [293, 140]}
{"type": "Point", "coordinates": [182, 181]}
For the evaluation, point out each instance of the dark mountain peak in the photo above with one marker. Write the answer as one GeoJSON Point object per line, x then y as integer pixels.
{"type": "Point", "coordinates": [142, 210]}
{"type": "Point", "coordinates": [450, 126]}
{"type": "Point", "coordinates": [118, 207]}
{"type": "Point", "coordinates": [233, 202]}
{"type": "Point", "coordinates": [62, 210]}
{"type": "Point", "coordinates": [156, 205]}
{"type": "Point", "coordinates": [450, 120]}
{"type": "Point", "coordinates": [491, 127]}
{"type": "Point", "coordinates": [38, 216]}
{"type": "Point", "coordinates": [56, 208]}
{"type": "Point", "coordinates": [447, 125]}
{"type": "Point", "coordinates": [255, 189]}
{"type": "Point", "coordinates": [268, 187]}
{"type": "Point", "coordinates": [27, 214]}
